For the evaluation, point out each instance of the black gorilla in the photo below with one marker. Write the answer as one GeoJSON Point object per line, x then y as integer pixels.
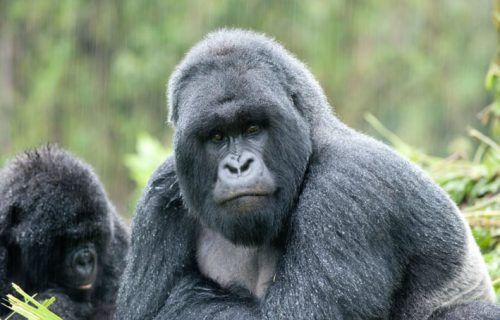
{"type": "Point", "coordinates": [59, 234]}
{"type": "Point", "coordinates": [271, 208]}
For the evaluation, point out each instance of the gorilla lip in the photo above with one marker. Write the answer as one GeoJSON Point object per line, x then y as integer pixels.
{"type": "Point", "coordinates": [86, 286]}
{"type": "Point", "coordinates": [240, 195]}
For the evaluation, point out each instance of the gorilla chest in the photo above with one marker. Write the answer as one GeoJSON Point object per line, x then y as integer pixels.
{"type": "Point", "coordinates": [229, 264]}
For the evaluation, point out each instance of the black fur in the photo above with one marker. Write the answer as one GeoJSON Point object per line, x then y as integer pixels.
{"type": "Point", "coordinates": [48, 196]}
{"type": "Point", "coordinates": [364, 233]}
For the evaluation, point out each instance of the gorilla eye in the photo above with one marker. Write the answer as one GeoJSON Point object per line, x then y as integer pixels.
{"type": "Point", "coordinates": [216, 136]}
{"type": "Point", "coordinates": [252, 129]}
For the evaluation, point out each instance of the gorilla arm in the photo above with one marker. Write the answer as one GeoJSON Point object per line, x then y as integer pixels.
{"type": "Point", "coordinates": [163, 235]}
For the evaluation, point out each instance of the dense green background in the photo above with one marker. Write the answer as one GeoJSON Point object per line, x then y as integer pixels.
{"type": "Point", "coordinates": [91, 75]}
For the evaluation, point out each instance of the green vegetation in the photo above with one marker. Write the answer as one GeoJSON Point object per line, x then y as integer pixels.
{"type": "Point", "coordinates": [29, 307]}
{"type": "Point", "coordinates": [149, 155]}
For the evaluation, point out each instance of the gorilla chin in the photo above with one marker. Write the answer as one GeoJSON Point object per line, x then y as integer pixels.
{"type": "Point", "coordinates": [246, 203]}
{"type": "Point", "coordinates": [248, 220]}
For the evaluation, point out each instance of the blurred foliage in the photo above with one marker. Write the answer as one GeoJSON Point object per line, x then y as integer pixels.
{"type": "Point", "coordinates": [149, 155]}
{"type": "Point", "coordinates": [90, 75]}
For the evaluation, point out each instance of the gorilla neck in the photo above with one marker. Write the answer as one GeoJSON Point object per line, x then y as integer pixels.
{"type": "Point", "coordinates": [229, 264]}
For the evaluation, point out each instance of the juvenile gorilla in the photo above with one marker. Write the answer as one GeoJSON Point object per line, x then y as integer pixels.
{"type": "Point", "coordinates": [271, 208]}
{"type": "Point", "coordinates": [59, 234]}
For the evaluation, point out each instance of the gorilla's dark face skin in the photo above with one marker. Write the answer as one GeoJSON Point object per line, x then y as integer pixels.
{"type": "Point", "coordinates": [79, 267]}
{"type": "Point", "coordinates": [71, 266]}
{"type": "Point", "coordinates": [241, 161]}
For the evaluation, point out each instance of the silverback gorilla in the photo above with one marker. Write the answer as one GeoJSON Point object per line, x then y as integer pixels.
{"type": "Point", "coordinates": [271, 208]}
{"type": "Point", "coordinates": [59, 234]}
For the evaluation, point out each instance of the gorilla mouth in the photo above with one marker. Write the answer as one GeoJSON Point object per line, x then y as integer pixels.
{"type": "Point", "coordinates": [244, 195]}
{"type": "Point", "coordinates": [87, 286]}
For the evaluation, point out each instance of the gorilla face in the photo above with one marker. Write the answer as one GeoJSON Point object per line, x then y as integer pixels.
{"type": "Point", "coordinates": [241, 151]}
{"type": "Point", "coordinates": [79, 266]}
{"type": "Point", "coordinates": [68, 261]}
{"type": "Point", "coordinates": [243, 180]}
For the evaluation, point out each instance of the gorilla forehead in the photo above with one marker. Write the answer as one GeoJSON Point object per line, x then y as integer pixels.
{"type": "Point", "coordinates": [231, 95]}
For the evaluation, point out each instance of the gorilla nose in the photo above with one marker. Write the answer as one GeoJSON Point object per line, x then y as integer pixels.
{"type": "Point", "coordinates": [84, 262]}
{"type": "Point", "coordinates": [240, 166]}
{"type": "Point", "coordinates": [243, 175]}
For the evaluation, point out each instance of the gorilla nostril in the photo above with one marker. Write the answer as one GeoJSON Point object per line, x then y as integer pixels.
{"type": "Point", "coordinates": [81, 261]}
{"type": "Point", "coordinates": [231, 169]}
{"type": "Point", "coordinates": [246, 165]}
